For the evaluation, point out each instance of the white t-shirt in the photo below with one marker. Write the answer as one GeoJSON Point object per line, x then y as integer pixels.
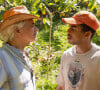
{"type": "Point", "coordinates": [80, 71]}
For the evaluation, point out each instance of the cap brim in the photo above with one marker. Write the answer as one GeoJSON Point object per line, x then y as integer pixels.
{"type": "Point", "coordinates": [16, 18]}
{"type": "Point", "coordinates": [71, 21]}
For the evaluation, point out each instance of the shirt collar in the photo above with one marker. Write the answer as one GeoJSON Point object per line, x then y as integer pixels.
{"type": "Point", "coordinates": [13, 49]}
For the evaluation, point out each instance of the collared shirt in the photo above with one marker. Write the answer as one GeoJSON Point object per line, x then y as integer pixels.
{"type": "Point", "coordinates": [15, 72]}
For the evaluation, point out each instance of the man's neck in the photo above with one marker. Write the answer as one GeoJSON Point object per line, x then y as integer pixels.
{"type": "Point", "coordinates": [17, 44]}
{"type": "Point", "coordinates": [83, 48]}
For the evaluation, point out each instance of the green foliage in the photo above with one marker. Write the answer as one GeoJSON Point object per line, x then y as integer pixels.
{"type": "Point", "coordinates": [96, 38]}
{"type": "Point", "coordinates": [91, 4]}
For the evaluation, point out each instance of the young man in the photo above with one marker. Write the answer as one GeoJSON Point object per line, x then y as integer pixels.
{"type": "Point", "coordinates": [16, 31]}
{"type": "Point", "coordinates": [80, 65]}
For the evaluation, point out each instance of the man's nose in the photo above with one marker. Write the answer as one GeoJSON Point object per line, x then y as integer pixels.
{"type": "Point", "coordinates": [35, 28]}
{"type": "Point", "coordinates": [68, 31]}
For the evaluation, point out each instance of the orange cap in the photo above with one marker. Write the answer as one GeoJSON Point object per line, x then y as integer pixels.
{"type": "Point", "coordinates": [14, 15]}
{"type": "Point", "coordinates": [83, 17]}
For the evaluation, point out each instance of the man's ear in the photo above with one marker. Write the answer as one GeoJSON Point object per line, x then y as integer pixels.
{"type": "Point", "coordinates": [88, 34]}
{"type": "Point", "coordinates": [17, 30]}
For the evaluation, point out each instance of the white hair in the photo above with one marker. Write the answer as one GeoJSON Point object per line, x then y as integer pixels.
{"type": "Point", "coordinates": [8, 33]}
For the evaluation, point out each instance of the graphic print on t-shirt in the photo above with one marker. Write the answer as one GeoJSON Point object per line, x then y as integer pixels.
{"type": "Point", "coordinates": [75, 73]}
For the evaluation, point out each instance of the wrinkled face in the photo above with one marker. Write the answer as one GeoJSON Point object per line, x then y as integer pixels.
{"type": "Point", "coordinates": [75, 34]}
{"type": "Point", "coordinates": [29, 32]}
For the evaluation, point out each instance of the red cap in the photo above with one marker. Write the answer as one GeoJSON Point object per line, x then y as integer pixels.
{"type": "Point", "coordinates": [83, 17]}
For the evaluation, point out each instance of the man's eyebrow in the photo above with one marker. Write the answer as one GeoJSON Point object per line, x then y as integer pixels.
{"type": "Point", "coordinates": [72, 26]}
{"type": "Point", "coordinates": [33, 23]}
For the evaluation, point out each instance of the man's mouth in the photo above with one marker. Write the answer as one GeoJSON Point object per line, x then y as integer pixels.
{"type": "Point", "coordinates": [35, 33]}
{"type": "Point", "coordinates": [69, 36]}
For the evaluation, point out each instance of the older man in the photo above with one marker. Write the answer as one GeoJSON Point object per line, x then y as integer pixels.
{"type": "Point", "coordinates": [16, 31]}
{"type": "Point", "coordinates": [80, 65]}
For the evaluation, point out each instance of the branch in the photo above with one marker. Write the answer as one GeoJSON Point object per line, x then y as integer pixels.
{"type": "Point", "coordinates": [8, 3]}
{"type": "Point", "coordinates": [49, 48]}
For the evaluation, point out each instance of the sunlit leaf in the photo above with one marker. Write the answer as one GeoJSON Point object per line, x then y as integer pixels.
{"type": "Point", "coordinates": [59, 8]}
{"type": "Point", "coordinates": [1, 43]}
{"type": "Point", "coordinates": [51, 4]}
{"type": "Point", "coordinates": [98, 12]}
{"type": "Point", "coordinates": [47, 21]}
{"type": "Point", "coordinates": [35, 12]}
{"type": "Point", "coordinates": [93, 7]}
{"type": "Point", "coordinates": [56, 1]}
{"type": "Point", "coordinates": [85, 0]}
{"type": "Point", "coordinates": [66, 10]}
{"type": "Point", "coordinates": [40, 5]}
{"type": "Point", "coordinates": [43, 11]}
{"type": "Point", "coordinates": [62, 14]}
{"type": "Point", "coordinates": [2, 8]}
{"type": "Point", "coordinates": [34, 20]}
{"type": "Point", "coordinates": [44, 21]}
{"type": "Point", "coordinates": [91, 3]}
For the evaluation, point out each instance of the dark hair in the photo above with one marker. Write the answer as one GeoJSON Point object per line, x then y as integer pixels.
{"type": "Point", "coordinates": [86, 28]}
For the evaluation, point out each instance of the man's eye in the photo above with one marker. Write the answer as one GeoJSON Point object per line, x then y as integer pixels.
{"type": "Point", "coordinates": [32, 25]}
{"type": "Point", "coordinates": [72, 29]}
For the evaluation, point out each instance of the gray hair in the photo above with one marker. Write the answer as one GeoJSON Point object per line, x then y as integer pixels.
{"type": "Point", "coordinates": [8, 33]}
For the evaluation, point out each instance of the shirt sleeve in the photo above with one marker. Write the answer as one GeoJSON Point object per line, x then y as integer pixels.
{"type": "Point", "coordinates": [3, 75]}
{"type": "Point", "coordinates": [98, 72]}
{"type": "Point", "coordinates": [60, 78]}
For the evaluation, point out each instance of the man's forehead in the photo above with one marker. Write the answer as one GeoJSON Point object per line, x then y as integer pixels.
{"type": "Point", "coordinates": [74, 26]}
{"type": "Point", "coordinates": [32, 20]}
{"type": "Point", "coordinates": [29, 21]}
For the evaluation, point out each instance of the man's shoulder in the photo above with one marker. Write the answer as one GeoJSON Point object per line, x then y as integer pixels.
{"type": "Point", "coordinates": [96, 47]}
{"type": "Point", "coordinates": [4, 50]}
{"type": "Point", "coordinates": [96, 51]}
{"type": "Point", "coordinates": [69, 51]}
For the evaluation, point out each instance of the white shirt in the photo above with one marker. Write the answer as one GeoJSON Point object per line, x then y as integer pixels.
{"type": "Point", "coordinates": [81, 68]}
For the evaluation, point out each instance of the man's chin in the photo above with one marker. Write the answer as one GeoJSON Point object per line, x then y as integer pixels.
{"type": "Point", "coordinates": [70, 42]}
{"type": "Point", "coordinates": [35, 39]}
